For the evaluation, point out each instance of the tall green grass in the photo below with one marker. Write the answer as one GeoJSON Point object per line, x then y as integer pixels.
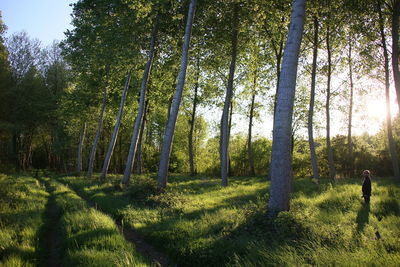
{"type": "Point", "coordinates": [91, 238]}
{"type": "Point", "coordinates": [199, 223]}
{"type": "Point", "coordinates": [22, 205]}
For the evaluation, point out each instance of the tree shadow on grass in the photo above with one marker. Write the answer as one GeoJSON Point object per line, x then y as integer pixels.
{"type": "Point", "coordinates": [362, 218]}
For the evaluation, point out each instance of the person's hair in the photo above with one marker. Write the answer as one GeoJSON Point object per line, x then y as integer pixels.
{"type": "Point", "coordinates": [367, 173]}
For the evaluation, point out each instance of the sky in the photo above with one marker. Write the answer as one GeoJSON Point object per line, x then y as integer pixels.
{"type": "Point", "coordinates": [46, 20]}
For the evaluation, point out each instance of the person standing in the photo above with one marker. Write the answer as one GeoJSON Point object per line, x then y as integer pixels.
{"type": "Point", "coordinates": [366, 186]}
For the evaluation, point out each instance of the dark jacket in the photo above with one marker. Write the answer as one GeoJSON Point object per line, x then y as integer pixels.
{"type": "Point", "coordinates": [366, 186]}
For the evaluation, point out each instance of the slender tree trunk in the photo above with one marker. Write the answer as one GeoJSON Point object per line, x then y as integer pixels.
{"type": "Point", "coordinates": [249, 138]}
{"type": "Point", "coordinates": [278, 56]}
{"type": "Point", "coordinates": [169, 106]}
{"type": "Point", "coordinates": [314, 163]}
{"type": "Point", "coordinates": [229, 136]}
{"type": "Point", "coordinates": [192, 121]}
{"type": "Point", "coordinates": [80, 148]}
{"type": "Point", "coordinates": [169, 131]}
{"type": "Point", "coordinates": [331, 163]}
{"type": "Point", "coordinates": [350, 125]}
{"type": "Point", "coordinates": [121, 166]}
{"type": "Point", "coordinates": [395, 47]}
{"type": "Point", "coordinates": [224, 149]}
{"type": "Point", "coordinates": [113, 141]}
{"type": "Point", "coordinates": [96, 138]}
{"type": "Point", "coordinates": [139, 168]}
{"type": "Point", "coordinates": [281, 161]}
{"type": "Point", "coordinates": [16, 151]}
{"type": "Point", "coordinates": [140, 115]}
{"type": "Point", "coordinates": [392, 143]}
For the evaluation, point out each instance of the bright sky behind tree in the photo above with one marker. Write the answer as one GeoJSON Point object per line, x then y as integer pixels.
{"type": "Point", "coordinates": [46, 20]}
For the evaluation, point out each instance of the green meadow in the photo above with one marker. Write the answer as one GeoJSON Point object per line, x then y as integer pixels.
{"type": "Point", "coordinates": [83, 236]}
{"type": "Point", "coordinates": [196, 222]}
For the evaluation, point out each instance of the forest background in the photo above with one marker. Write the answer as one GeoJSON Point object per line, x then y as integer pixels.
{"type": "Point", "coordinates": [50, 93]}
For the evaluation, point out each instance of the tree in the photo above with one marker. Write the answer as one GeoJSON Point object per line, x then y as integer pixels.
{"type": "Point", "coordinates": [98, 131]}
{"type": "Point", "coordinates": [169, 131]}
{"type": "Point", "coordinates": [314, 163]}
{"type": "Point", "coordinates": [224, 150]}
{"type": "Point", "coordinates": [395, 46]}
{"type": "Point", "coordinates": [281, 161]}
{"type": "Point", "coordinates": [26, 95]}
{"type": "Point", "coordinates": [116, 128]}
{"type": "Point", "coordinates": [392, 144]}
{"type": "Point", "coordinates": [350, 122]}
{"type": "Point", "coordinates": [140, 115]}
{"type": "Point", "coordinates": [192, 120]}
{"type": "Point", "coordinates": [331, 163]}
{"type": "Point", "coordinates": [80, 148]}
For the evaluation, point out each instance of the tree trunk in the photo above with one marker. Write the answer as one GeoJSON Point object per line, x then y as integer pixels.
{"type": "Point", "coordinates": [16, 151]}
{"type": "Point", "coordinates": [281, 161]}
{"type": "Point", "coordinates": [121, 166]}
{"type": "Point", "coordinates": [229, 135]}
{"type": "Point", "coordinates": [224, 144]}
{"type": "Point", "coordinates": [139, 117]}
{"type": "Point", "coordinates": [249, 138]}
{"type": "Point", "coordinates": [350, 124]}
{"type": "Point", "coordinates": [392, 143]}
{"type": "Point", "coordinates": [331, 163]}
{"type": "Point", "coordinates": [113, 141]}
{"type": "Point", "coordinates": [278, 56]}
{"type": "Point", "coordinates": [314, 163]}
{"type": "Point", "coordinates": [395, 47]}
{"type": "Point", "coordinates": [139, 167]}
{"type": "Point", "coordinates": [192, 121]}
{"type": "Point", "coordinates": [169, 131]}
{"type": "Point", "coordinates": [96, 138]}
{"type": "Point", "coordinates": [80, 147]}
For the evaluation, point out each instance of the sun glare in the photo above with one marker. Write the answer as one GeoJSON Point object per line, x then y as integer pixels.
{"type": "Point", "coordinates": [376, 109]}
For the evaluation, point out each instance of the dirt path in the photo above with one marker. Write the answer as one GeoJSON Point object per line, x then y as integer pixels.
{"type": "Point", "coordinates": [131, 235]}
{"type": "Point", "coordinates": [51, 232]}
{"type": "Point", "coordinates": [156, 257]}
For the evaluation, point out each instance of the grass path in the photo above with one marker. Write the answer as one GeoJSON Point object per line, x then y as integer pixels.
{"type": "Point", "coordinates": [131, 235]}
{"type": "Point", "coordinates": [51, 234]}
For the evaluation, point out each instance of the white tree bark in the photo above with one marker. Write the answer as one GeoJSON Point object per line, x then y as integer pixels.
{"type": "Point", "coordinates": [281, 161]}
{"type": "Point", "coordinates": [169, 131]}
{"type": "Point", "coordinates": [97, 136]}
{"type": "Point", "coordinates": [80, 147]}
{"type": "Point", "coordinates": [116, 129]}
{"type": "Point", "coordinates": [139, 117]}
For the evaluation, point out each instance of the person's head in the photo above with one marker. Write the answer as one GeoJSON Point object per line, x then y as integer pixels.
{"type": "Point", "coordinates": [366, 173]}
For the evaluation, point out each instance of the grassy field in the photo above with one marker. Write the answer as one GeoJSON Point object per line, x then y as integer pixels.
{"type": "Point", "coordinates": [198, 223]}
{"type": "Point", "coordinates": [44, 223]}
{"type": "Point", "coordinates": [22, 206]}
